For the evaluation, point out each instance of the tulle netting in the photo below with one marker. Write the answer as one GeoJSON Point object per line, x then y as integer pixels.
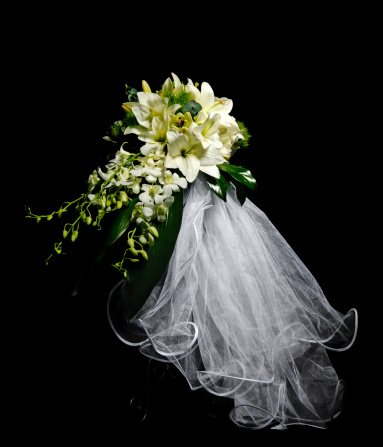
{"type": "Point", "coordinates": [239, 314]}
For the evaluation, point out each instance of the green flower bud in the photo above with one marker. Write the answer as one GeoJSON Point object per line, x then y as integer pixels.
{"type": "Point", "coordinates": [131, 242]}
{"type": "Point", "coordinates": [151, 238]}
{"type": "Point", "coordinates": [74, 236]}
{"type": "Point", "coordinates": [65, 234]}
{"type": "Point", "coordinates": [135, 260]}
{"type": "Point", "coordinates": [133, 250]}
{"type": "Point", "coordinates": [108, 202]}
{"type": "Point", "coordinates": [50, 217]}
{"type": "Point", "coordinates": [143, 240]}
{"type": "Point", "coordinates": [119, 204]}
{"type": "Point", "coordinates": [154, 231]}
{"type": "Point", "coordinates": [144, 254]}
{"type": "Point", "coordinates": [38, 219]}
{"type": "Point", "coordinates": [88, 220]}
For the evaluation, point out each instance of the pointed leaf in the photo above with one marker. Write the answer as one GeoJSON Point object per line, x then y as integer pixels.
{"type": "Point", "coordinates": [239, 191]}
{"type": "Point", "coordinates": [217, 185]}
{"type": "Point", "coordinates": [144, 275]}
{"type": "Point", "coordinates": [243, 175]}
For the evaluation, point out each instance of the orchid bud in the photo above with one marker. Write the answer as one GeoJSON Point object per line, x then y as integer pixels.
{"type": "Point", "coordinates": [50, 217]}
{"type": "Point", "coordinates": [74, 236]}
{"type": "Point", "coordinates": [88, 220]}
{"type": "Point", "coordinates": [144, 254]}
{"type": "Point", "coordinates": [154, 231]}
{"type": "Point", "coordinates": [131, 242]}
{"type": "Point", "coordinates": [65, 234]}
{"type": "Point", "coordinates": [145, 87]}
{"type": "Point", "coordinates": [143, 240]}
{"type": "Point", "coordinates": [119, 204]}
{"type": "Point", "coordinates": [133, 251]}
{"type": "Point", "coordinates": [134, 260]}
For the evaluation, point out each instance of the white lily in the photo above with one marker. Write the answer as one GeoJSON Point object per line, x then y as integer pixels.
{"type": "Point", "coordinates": [151, 105]}
{"type": "Point", "coordinates": [190, 158]}
{"type": "Point", "coordinates": [207, 133]}
{"type": "Point", "coordinates": [155, 139]}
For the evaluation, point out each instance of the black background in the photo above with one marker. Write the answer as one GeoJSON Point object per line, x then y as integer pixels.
{"type": "Point", "coordinates": [305, 93]}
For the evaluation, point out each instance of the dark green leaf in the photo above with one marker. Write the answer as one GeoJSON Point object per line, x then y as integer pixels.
{"type": "Point", "coordinates": [144, 275]}
{"type": "Point", "coordinates": [243, 175]}
{"type": "Point", "coordinates": [239, 191]}
{"type": "Point", "coordinates": [191, 106]}
{"type": "Point", "coordinates": [217, 185]}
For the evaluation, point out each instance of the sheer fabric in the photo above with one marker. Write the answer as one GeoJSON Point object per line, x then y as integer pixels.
{"type": "Point", "coordinates": [239, 314]}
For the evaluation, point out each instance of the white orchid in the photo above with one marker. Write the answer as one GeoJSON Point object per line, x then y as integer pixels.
{"type": "Point", "coordinates": [162, 208]}
{"type": "Point", "coordinates": [172, 182]}
{"type": "Point", "coordinates": [151, 194]}
{"type": "Point", "coordinates": [142, 212]}
{"type": "Point", "coordinates": [93, 180]}
{"type": "Point", "coordinates": [191, 157]}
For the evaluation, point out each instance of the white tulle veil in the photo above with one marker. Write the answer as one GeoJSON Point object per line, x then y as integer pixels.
{"type": "Point", "coordinates": [239, 314]}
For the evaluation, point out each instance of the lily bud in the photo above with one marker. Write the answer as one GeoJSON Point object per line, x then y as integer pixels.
{"type": "Point", "coordinates": [145, 87]}
{"type": "Point", "coordinates": [126, 107]}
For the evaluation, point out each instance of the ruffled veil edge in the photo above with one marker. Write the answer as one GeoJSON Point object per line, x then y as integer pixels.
{"type": "Point", "coordinates": [239, 314]}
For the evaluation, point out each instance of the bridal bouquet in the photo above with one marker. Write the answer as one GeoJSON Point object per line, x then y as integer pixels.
{"type": "Point", "coordinates": [165, 140]}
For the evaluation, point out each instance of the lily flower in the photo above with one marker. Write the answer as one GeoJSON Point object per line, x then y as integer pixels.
{"type": "Point", "coordinates": [155, 139]}
{"type": "Point", "coordinates": [207, 132]}
{"type": "Point", "coordinates": [190, 158]}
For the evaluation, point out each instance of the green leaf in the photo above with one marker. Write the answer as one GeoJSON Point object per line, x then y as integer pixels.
{"type": "Point", "coordinates": [239, 191]}
{"type": "Point", "coordinates": [218, 186]}
{"type": "Point", "coordinates": [144, 275]}
{"type": "Point", "coordinates": [243, 175]}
